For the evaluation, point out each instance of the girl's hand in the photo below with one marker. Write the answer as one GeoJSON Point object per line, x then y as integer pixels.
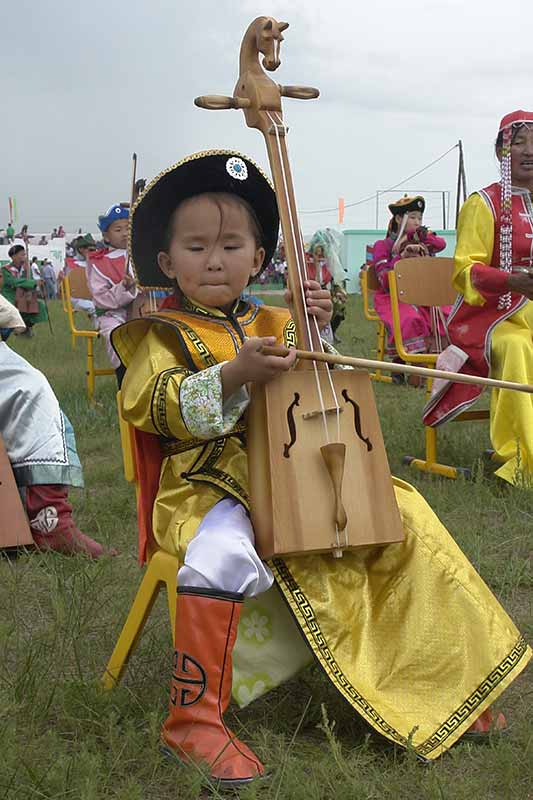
{"type": "Point", "coordinates": [318, 302]}
{"type": "Point", "coordinates": [252, 365]}
{"type": "Point", "coordinates": [414, 250]}
{"type": "Point", "coordinates": [128, 282]}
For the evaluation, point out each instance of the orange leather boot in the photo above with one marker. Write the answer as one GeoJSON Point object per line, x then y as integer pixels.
{"type": "Point", "coordinates": [206, 629]}
{"type": "Point", "coordinates": [486, 724]}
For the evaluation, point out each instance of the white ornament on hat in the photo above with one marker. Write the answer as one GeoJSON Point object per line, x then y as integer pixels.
{"type": "Point", "coordinates": [237, 168]}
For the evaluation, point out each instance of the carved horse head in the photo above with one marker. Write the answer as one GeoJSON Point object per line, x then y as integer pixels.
{"type": "Point", "coordinates": [263, 36]}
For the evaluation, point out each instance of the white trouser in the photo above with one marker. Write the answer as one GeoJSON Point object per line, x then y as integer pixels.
{"type": "Point", "coordinates": [222, 554]}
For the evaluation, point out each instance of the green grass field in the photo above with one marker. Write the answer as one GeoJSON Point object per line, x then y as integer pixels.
{"type": "Point", "coordinates": [61, 736]}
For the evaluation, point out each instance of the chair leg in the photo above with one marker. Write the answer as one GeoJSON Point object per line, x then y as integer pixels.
{"type": "Point", "coordinates": [378, 374]}
{"type": "Point", "coordinates": [430, 463]}
{"type": "Point", "coordinates": [161, 571]}
{"type": "Point", "coordinates": [133, 627]}
{"type": "Point", "coordinates": [90, 370]}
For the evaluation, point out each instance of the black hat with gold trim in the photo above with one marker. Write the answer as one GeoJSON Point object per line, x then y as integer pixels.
{"type": "Point", "coordinates": [208, 171]}
{"type": "Point", "coordinates": [407, 204]}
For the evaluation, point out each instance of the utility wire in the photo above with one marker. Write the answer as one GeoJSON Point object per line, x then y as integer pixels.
{"type": "Point", "coordinates": [383, 191]}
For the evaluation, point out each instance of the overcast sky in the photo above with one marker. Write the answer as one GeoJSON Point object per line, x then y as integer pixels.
{"type": "Point", "coordinates": [87, 82]}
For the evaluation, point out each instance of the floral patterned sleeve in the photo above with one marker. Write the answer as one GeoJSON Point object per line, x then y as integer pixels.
{"type": "Point", "coordinates": [203, 410]}
{"type": "Point", "coordinates": [328, 348]}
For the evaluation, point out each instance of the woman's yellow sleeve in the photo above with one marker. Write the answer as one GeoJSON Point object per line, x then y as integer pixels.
{"type": "Point", "coordinates": [151, 387]}
{"type": "Point", "coordinates": [475, 243]}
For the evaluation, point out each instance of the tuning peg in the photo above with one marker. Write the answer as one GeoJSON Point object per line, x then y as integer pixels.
{"type": "Point", "coordinates": [299, 92]}
{"type": "Point", "coordinates": [219, 102]}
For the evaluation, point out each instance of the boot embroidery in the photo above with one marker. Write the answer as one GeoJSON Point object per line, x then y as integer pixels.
{"type": "Point", "coordinates": [46, 520]}
{"type": "Point", "coordinates": [189, 680]}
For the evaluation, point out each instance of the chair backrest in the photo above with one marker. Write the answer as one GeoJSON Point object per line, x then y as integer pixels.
{"type": "Point", "coordinates": [77, 283]}
{"type": "Point", "coordinates": [425, 281]}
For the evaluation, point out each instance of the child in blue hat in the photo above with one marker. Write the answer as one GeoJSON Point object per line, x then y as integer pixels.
{"type": "Point", "coordinates": [113, 288]}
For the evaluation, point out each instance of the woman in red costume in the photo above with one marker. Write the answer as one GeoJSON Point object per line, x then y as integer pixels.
{"type": "Point", "coordinates": [492, 321]}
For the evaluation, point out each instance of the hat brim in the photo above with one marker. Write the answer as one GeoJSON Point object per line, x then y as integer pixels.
{"type": "Point", "coordinates": [197, 174]}
{"type": "Point", "coordinates": [413, 204]}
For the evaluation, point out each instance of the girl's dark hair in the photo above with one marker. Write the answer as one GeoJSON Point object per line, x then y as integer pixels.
{"type": "Point", "coordinates": [219, 199]}
{"type": "Point", "coordinates": [14, 250]}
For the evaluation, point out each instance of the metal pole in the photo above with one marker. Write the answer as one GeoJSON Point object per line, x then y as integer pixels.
{"type": "Point", "coordinates": [444, 211]}
{"type": "Point", "coordinates": [377, 210]}
{"type": "Point", "coordinates": [459, 177]}
{"type": "Point", "coordinates": [463, 172]}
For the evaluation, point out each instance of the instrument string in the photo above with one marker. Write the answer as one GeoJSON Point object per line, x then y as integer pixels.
{"type": "Point", "coordinates": [301, 272]}
{"type": "Point", "coordinates": [301, 249]}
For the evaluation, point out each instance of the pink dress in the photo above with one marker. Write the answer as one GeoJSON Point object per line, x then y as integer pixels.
{"type": "Point", "coordinates": [415, 321]}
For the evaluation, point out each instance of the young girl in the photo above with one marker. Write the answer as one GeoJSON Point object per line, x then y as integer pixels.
{"type": "Point", "coordinates": [406, 238]}
{"type": "Point", "coordinates": [112, 288]}
{"type": "Point", "coordinates": [207, 226]}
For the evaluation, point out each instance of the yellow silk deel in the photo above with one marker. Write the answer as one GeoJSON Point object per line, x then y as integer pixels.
{"type": "Point", "coordinates": [511, 413]}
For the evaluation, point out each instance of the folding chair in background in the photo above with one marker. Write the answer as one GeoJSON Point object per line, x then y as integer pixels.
{"type": "Point", "coordinates": [426, 282]}
{"type": "Point", "coordinates": [74, 284]}
{"type": "Point", "coordinates": [369, 283]}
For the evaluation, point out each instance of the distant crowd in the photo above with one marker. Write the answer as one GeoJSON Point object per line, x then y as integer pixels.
{"type": "Point", "coordinates": [8, 234]}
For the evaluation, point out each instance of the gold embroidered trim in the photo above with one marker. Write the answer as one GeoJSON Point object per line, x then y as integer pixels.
{"type": "Point", "coordinates": [208, 472]}
{"type": "Point", "coordinates": [159, 399]}
{"type": "Point", "coordinates": [171, 447]}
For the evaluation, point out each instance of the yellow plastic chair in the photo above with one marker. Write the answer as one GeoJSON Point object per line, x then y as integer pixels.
{"type": "Point", "coordinates": [369, 283]}
{"type": "Point", "coordinates": [426, 282]}
{"type": "Point", "coordinates": [74, 284]}
{"type": "Point", "coordinates": [160, 571]}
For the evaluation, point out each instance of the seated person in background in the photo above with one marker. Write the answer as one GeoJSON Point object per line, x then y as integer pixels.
{"type": "Point", "coordinates": [112, 286]}
{"type": "Point", "coordinates": [492, 322]}
{"type": "Point", "coordinates": [83, 245]}
{"type": "Point", "coordinates": [407, 238]}
{"type": "Point", "coordinates": [41, 447]}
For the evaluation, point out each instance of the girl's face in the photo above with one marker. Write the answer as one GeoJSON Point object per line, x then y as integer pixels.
{"type": "Point", "coordinates": [414, 221]}
{"type": "Point", "coordinates": [117, 234]}
{"type": "Point", "coordinates": [211, 256]}
{"type": "Point", "coordinates": [522, 157]}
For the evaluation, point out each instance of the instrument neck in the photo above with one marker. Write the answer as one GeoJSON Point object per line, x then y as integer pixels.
{"type": "Point", "coordinates": [306, 331]}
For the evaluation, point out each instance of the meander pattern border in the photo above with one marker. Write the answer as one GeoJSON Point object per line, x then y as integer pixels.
{"type": "Point", "coordinates": [457, 718]}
